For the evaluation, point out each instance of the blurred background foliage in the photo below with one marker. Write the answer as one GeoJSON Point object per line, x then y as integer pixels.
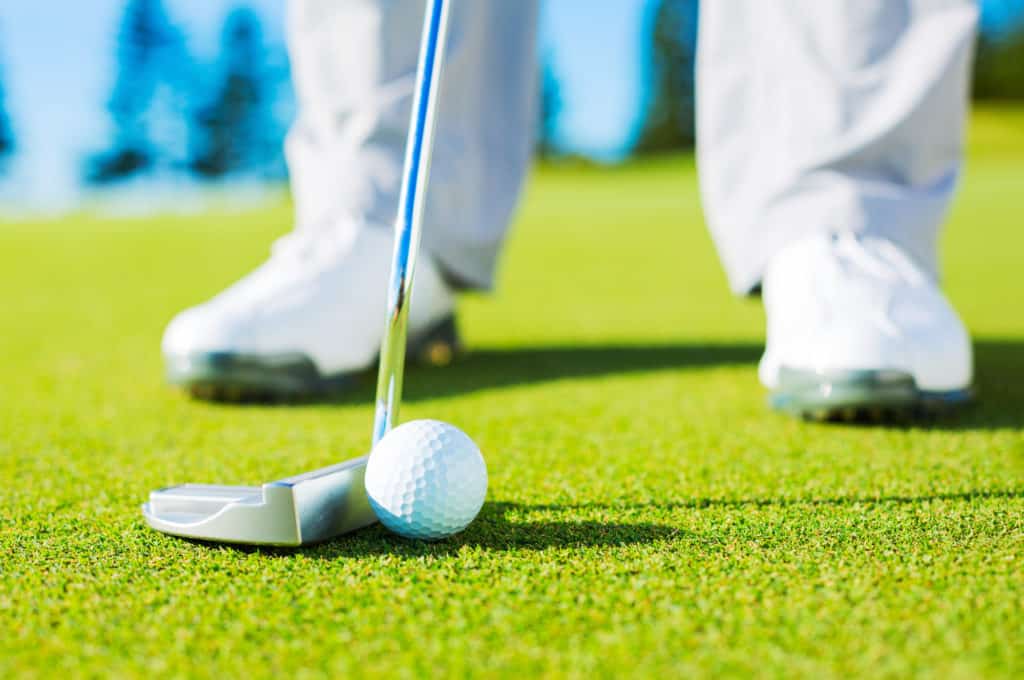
{"type": "Point", "coordinates": [999, 63]}
{"type": "Point", "coordinates": [6, 134]}
{"type": "Point", "coordinates": [209, 120]}
{"type": "Point", "coordinates": [173, 114]}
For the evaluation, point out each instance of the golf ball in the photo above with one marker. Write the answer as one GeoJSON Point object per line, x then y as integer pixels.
{"type": "Point", "coordinates": [426, 479]}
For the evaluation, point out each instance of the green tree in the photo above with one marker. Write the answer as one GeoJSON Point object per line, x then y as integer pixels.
{"type": "Point", "coordinates": [237, 130]}
{"type": "Point", "coordinates": [149, 95]}
{"type": "Point", "coordinates": [670, 118]}
{"type": "Point", "coordinates": [999, 64]}
{"type": "Point", "coordinates": [7, 145]}
{"type": "Point", "coordinates": [550, 108]}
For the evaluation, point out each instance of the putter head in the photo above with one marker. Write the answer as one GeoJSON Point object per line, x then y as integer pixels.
{"type": "Point", "coordinates": [301, 510]}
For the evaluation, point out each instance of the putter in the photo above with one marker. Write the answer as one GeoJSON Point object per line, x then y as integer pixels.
{"type": "Point", "coordinates": [322, 504]}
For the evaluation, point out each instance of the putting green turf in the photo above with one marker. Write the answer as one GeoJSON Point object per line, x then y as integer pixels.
{"type": "Point", "coordinates": [646, 514]}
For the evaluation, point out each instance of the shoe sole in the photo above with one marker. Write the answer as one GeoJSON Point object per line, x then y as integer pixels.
{"type": "Point", "coordinates": [234, 377]}
{"type": "Point", "coordinates": [861, 396]}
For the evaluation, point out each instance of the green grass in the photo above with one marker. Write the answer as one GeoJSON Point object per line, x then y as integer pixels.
{"type": "Point", "coordinates": [647, 514]}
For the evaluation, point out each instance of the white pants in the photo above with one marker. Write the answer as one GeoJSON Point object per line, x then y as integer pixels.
{"type": "Point", "coordinates": [812, 115]}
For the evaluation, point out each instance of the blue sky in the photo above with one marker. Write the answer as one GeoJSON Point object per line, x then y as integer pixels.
{"type": "Point", "coordinates": [57, 61]}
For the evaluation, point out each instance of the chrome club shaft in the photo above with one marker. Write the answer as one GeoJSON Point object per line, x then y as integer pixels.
{"type": "Point", "coordinates": [412, 207]}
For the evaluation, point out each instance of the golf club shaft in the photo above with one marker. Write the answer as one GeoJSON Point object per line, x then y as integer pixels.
{"type": "Point", "coordinates": [409, 225]}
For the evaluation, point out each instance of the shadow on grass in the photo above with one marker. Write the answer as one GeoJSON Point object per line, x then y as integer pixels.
{"type": "Point", "coordinates": [999, 375]}
{"type": "Point", "coordinates": [493, 530]}
{"type": "Point", "coordinates": [701, 503]}
{"type": "Point", "coordinates": [999, 379]}
{"type": "Point", "coordinates": [500, 368]}
{"type": "Point", "coordinates": [999, 365]}
{"type": "Point", "coordinates": [498, 530]}
{"type": "Point", "coordinates": [492, 369]}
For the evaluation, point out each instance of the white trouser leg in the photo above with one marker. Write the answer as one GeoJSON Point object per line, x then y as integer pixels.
{"type": "Point", "coordinates": [834, 115]}
{"type": "Point", "coordinates": [354, 64]}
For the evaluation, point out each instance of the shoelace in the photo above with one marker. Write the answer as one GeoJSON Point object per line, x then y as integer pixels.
{"type": "Point", "coordinates": [877, 257]}
{"type": "Point", "coordinates": [882, 270]}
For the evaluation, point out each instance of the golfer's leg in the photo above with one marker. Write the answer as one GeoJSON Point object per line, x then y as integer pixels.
{"type": "Point", "coordinates": [354, 64]}
{"type": "Point", "coordinates": [846, 115]}
{"type": "Point", "coordinates": [830, 141]}
{"type": "Point", "coordinates": [314, 312]}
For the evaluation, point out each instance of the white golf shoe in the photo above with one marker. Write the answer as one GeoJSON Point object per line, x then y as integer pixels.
{"type": "Point", "coordinates": [857, 330]}
{"type": "Point", "coordinates": [305, 321]}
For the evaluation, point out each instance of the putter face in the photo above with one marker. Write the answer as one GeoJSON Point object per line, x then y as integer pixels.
{"type": "Point", "coordinates": [300, 510]}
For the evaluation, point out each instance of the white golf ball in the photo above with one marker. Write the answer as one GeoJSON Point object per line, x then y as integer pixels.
{"type": "Point", "coordinates": [426, 479]}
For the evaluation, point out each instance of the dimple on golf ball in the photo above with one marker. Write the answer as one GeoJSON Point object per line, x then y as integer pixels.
{"type": "Point", "coordinates": [426, 480]}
